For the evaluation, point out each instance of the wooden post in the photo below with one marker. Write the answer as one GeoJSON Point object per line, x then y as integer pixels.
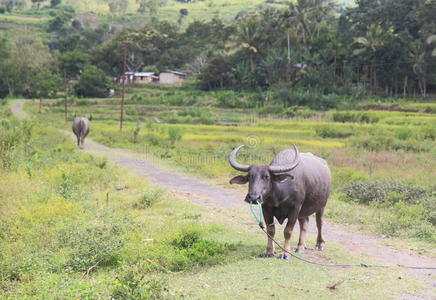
{"type": "Point", "coordinates": [66, 97]}
{"type": "Point", "coordinates": [287, 75]}
{"type": "Point", "coordinates": [124, 87]}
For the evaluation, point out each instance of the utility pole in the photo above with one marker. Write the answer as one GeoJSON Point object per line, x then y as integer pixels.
{"type": "Point", "coordinates": [288, 78]}
{"type": "Point", "coordinates": [66, 96]}
{"type": "Point", "coordinates": [124, 86]}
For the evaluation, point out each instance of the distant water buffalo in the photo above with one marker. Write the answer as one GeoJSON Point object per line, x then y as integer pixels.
{"type": "Point", "coordinates": [81, 130]}
{"type": "Point", "coordinates": [293, 186]}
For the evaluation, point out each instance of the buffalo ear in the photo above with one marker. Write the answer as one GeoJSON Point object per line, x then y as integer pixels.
{"type": "Point", "coordinates": [282, 177]}
{"type": "Point", "coordinates": [239, 179]}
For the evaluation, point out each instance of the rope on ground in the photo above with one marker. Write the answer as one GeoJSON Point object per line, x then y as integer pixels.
{"type": "Point", "coordinates": [364, 265]}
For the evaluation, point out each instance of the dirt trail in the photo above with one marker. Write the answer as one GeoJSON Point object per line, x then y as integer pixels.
{"type": "Point", "coordinates": [205, 193]}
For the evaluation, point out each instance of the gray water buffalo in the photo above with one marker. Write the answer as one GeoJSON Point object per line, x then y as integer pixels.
{"type": "Point", "coordinates": [81, 130]}
{"type": "Point", "coordinates": [293, 186]}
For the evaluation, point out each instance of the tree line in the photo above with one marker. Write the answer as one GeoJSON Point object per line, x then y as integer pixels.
{"type": "Point", "coordinates": [382, 47]}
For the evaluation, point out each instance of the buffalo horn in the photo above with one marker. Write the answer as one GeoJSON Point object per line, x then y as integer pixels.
{"type": "Point", "coordinates": [234, 163]}
{"type": "Point", "coordinates": [293, 165]}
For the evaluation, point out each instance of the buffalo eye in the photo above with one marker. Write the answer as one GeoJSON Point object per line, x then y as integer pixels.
{"type": "Point", "coordinates": [266, 177]}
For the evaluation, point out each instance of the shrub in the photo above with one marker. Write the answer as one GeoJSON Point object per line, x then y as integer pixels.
{"type": "Point", "coordinates": [347, 175]}
{"type": "Point", "coordinates": [175, 134]}
{"type": "Point", "coordinates": [92, 245]}
{"type": "Point", "coordinates": [231, 99]}
{"type": "Point", "coordinates": [329, 131]}
{"type": "Point", "coordinates": [354, 116]}
{"type": "Point", "coordinates": [132, 284]}
{"type": "Point", "coordinates": [271, 109]}
{"type": "Point", "coordinates": [369, 191]}
{"type": "Point", "coordinates": [148, 199]}
{"type": "Point", "coordinates": [315, 100]}
{"type": "Point", "coordinates": [374, 143]}
{"type": "Point", "coordinates": [299, 111]}
{"type": "Point", "coordinates": [93, 83]}
{"type": "Point", "coordinates": [197, 250]}
{"type": "Point", "coordinates": [194, 112]}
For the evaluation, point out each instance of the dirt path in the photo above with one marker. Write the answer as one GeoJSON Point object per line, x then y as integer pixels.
{"type": "Point", "coordinates": [205, 193]}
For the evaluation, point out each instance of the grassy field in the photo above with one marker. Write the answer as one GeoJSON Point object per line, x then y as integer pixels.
{"type": "Point", "coordinates": [75, 227]}
{"type": "Point", "coordinates": [381, 159]}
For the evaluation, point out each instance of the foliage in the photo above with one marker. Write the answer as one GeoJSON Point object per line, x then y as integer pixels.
{"type": "Point", "coordinates": [383, 191]}
{"type": "Point", "coordinates": [92, 245]}
{"type": "Point", "coordinates": [327, 131]}
{"type": "Point", "coordinates": [93, 83]}
{"type": "Point", "coordinates": [148, 199]}
{"type": "Point", "coordinates": [132, 284]}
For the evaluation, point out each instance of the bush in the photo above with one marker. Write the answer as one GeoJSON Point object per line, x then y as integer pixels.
{"type": "Point", "coordinates": [370, 191]}
{"type": "Point", "coordinates": [197, 250]}
{"type": "Point", "coordinates": [148, 199]}
{"type": "Point", "coordinates": [354, 116]}
{"type": "Point", "coordinates": [299, 111]}
{"type": "Point", "coordinates": [93, 83]}
{"type": "Point", "coordinates": [131, 284]}
{"type": "Point", "coordinates": [175, 134]}
{"type": "Point", "coordinates": [231, 99]}
{"type": "Point", "coordinates": [318, 101]}
{"type": "Point", "coordinates": [92, 245]}
{"type": "Point", "coordinates": [329, 131]}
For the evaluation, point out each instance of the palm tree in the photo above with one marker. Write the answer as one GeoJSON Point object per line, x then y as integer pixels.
{"type": "Point", "coordinates": [307, 16]}
{"type": "Point", "coordinates": [417, 54]}
{"type": "Point", "coordinates": [374, 39]}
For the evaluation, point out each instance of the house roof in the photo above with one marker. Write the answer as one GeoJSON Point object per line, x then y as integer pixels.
{"type": "Point", "coordinates": [140, 74]}
{"type": "Point", "coordinates": [175, 72]}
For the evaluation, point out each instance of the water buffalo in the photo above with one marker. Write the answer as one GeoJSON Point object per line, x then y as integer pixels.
{"type": "Point", "coordinates": [294, 186]}
{"type": "Point", "coordinates": [81, 130]}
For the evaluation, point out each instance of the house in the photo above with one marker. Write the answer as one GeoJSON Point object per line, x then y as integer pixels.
{"type": "Point", "coordinates": [140, 77]}
{"type": "Point", "coordinates": [168, 77]}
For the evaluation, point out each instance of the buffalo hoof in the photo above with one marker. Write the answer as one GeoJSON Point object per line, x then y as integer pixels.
{"type": "Point", "coordinates": [266, 255]}
{"type": "Point", "coordinates": [299, 250]}
{"type": "Point", "coordinates": [319, 247]}
{"type": "Point", "coordinates": [284, 256]}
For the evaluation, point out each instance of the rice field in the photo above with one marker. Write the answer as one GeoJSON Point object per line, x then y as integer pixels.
{"type": "Point", "coordinates": [190, 129]}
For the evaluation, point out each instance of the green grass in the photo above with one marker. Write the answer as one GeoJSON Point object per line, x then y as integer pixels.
{"type": "Point", "coordinates": [76, 227]}
{"type": "Point", "coordinates": [354, 150]}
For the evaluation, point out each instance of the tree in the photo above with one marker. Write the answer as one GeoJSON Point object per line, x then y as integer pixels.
{"type": "Point", "coordinates": [432, 40]}
{"type": "Point", "coordinates": [54, 3]}
{"type": "Point", "coordinates": [216, 73]}
{"type": "Point", "coordinates": [152, 6]}
{"type": "Point", "coordinates": [117, 6]}
{"type": "Point", "coordinates": [374, 39]}
{"type": "Point", "coordinates": [37, 3]}
{"type": "Point", "coordinates": [61, 19]}
{"type": "Point", "coordinates": [4, 55]}
{"type": "Point", "coordinates": [29, 56]}
{"type": "Point", "coordinates": [93, 83]}
{"type": "Point", "coordinates": [45, 84]}
{"type": "Point", "coordinates": [182, 15]}
{"type": "Point", "coordinates": [12, 4]}
{"type": "Point", "coordinates": [72, 63]}
{"type": "Point", "coordinates": [417, 54]}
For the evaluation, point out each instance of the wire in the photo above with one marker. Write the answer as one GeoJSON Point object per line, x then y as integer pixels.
{"type": "Point", "coordinates": [340, 265]}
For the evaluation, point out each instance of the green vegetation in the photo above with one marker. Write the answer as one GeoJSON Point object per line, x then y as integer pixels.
{"type": "Point", "coordinates": [190, 130]}
{"type": "Point", "coordinates": [332, 61]}
{"type": "Point", "coordinates": [73, 226]}
{"type": "Point", "coordinates": [63, 219]}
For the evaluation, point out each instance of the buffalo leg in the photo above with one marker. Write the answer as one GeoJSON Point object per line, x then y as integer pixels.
{"type": "Point", "coordinates": [271, 229]}
{"type": "Point", "coordinates": [287, 234]}
{"type": "Point", "coordinates": [319, 240]}
{"type": "Point", "coordinates": [304, 222]}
